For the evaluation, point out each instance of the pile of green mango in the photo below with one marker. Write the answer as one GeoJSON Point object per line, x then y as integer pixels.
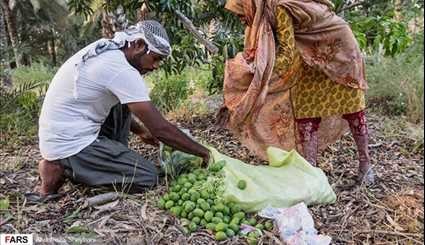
{"type": "Point", "coordinates": [195, 197]}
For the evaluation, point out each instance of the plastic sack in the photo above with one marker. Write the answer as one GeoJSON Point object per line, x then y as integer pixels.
{"type": "Point", "coordinates": [293, 182]}
{"type": "Point", "coordinates": [174, 162]}
{"type": "Point", "coordinates": [295, 225]}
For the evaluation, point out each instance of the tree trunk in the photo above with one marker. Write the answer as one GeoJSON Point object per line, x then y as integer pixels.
{"type": "Point", "coordinates": [4, 59]}
{"type": "Point", "coordinates": [51, 48]}
{"type": "Point", "coordinates": [107, 25]}
{"type": "Point", "coordinates": [398, 8]}
{"type": "Point", "coordinates": [113, 22]}
{"type": "Point", "coordinates": [10, 18]}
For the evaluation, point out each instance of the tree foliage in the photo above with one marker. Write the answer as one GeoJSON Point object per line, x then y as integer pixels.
{"type": "Point", "coordinates": [381, 24]}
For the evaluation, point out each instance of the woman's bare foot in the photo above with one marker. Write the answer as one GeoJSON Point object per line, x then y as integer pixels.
{"type": "Point", "coordinates": [51, 175]}
{"type": "Point", "coordinates": [366, 176]}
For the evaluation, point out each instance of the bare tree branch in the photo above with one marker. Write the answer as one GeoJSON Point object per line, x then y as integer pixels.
{"type": "Point", "coordinates": [192, 29]}
{"type": "Point", "coordinates": [353, 5]}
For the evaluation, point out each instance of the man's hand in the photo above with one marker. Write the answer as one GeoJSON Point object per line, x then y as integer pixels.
{"type": "Point", "coordinates": [166, 132]}
{"type": "Point", "coordinates": [206, 160]}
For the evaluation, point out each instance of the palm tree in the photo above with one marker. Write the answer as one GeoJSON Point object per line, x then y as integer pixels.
{"type": "Point", "coordinates": [44, 15]}
{"type": "Point", "coordinates": [9, 14]}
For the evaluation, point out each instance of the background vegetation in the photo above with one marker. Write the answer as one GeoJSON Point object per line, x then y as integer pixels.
{"type": "Point", "coordinates": [37, 36]}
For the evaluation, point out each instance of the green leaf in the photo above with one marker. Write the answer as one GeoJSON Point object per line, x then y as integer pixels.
{"type": "Point", "coordinates": [78, 229]}
{"type": "Point", "coordinates": [4, 204]}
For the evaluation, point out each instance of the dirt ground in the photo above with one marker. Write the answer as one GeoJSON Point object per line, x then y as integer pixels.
{"type": "Point", "coordinates": [390, 212]}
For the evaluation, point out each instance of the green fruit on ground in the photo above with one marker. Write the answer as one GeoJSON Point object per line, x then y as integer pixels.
{"type": "Point", "coordinates": [244, 221]}
{"type": "Point", "coordinates": [176, 188]}
{"type": "Point", "coordinates": [205, 206]}
{"type": "Point", "coordinates": [235, 209]}
{"type": "Point", "coordinates": [210, 226]}
{"type": "Point", "coordinates": [255, 234]}
{"type": "Point", "coordinates": [189, 206]}
{"type": "Point", "coordinates": [268, 225]}
{"type": "Point", "coordinates": [220, 236]}
{"type": "Point", "coordinates": [252, 240]}
{"type": "Point", "coordinates": [198, 212]}
{"type": "Point", "coordinates": [235, 221]}
{"type": "Point", "coordinates": [216, 220]}
{"type": "Point", "coordinates": [200, 201]}
{"type": "Point", "coordinates": [193, 227]}
{"type": "Point", "coordinates": [182, 181]}
{"type": "Point", "coordinates": [196, 220]}
{"type": "Point", "coordinates": [191, 178]}
{"type": "Point", "coordinates": [252, 221]}
{"type": "Point", "coordinates": [204, 194]}
{"type": "Point", "coordinates": [226, 210]}
{"type": "Point", "coordinates": [230, 233]}
{"type": "Point", "coordinates": [185, 222]}
{"type": "Point", "coordinates": [226, 219]}
{"type": "Point", "coordinates": [242, 184]}
{"type": "Point", "coordinates": [260, 226]}
{"type": "Point", "coordinates": [180, 202]}
{"type": "Point", "coordinates": [185, 196]}
{"type": "Point", "coordinates": [220, 207]}
{"type": "Point", "coordinates": [183, 214]}
{"type": "Point", "coordinates": [204, 222]}
{"type": "Point", "coordinates": [210, 201]}
{"type": "Point", "coordinates": [176, 211]}
{"type": "Point", "coordinates": [174, 196]}
{"type": "Point", "coordinates": [194, 196]}
{"type": "Point", "coordinates": [239, 215]}
{"type": "Point", "coordinates": [201, 177]}
{"type": "Point", "coordinates": [187, 185]}
{"type": "Point", "coordinates": [234, 227]}
{"type": "Point", "coordinates": [208, 216]}
{"type": "Point", "coordinates": [161, 203]}
{"type": "Point", "coordinates": [169, 204]}
{"type": "Point", "coordinates": [221, 227]}
{"type": "Point", "coordinates": [166, 197]}
{"type": "Point", "coordinates": [183, 191]}
{"type": "Point", "coordinates": [219, 215]}
{"type": "Point", "coordinates": [190, 215]}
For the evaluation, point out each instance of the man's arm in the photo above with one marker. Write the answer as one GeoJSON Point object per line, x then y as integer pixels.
{"type": "Point", "coordinates": [136, 128]}
{"type": "Point", "coordinates": [166, 132]}
{"type": "Point", "coordinates": [141, 131]}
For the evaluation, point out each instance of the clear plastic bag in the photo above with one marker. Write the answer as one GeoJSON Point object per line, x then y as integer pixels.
{"type": "Point", "coordinates": [174, 162]}
{"type": "Point", "coordinates": [295, 225]}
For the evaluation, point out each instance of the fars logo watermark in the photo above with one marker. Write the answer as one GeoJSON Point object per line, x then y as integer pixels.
{"type": "Point", "coordinates": [15, 239]}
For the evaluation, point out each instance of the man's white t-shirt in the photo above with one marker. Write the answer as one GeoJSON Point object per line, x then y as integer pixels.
{"type": "Point", "coordinates": [73, 112]}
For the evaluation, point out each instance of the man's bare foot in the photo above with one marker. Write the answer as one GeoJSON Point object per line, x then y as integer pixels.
{"type": "Point", "coordinates": [51, 175]}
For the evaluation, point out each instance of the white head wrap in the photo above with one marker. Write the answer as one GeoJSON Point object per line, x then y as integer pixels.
{"type": "Point", "coordinates": [150, 31]}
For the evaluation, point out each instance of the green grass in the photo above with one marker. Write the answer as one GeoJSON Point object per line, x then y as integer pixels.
{"type": "Point", "coordinates": [37, 72]}
{"type": "Point", "coordinates": [168, 92]}
{"type": "Point", "coordinates": [20, 105]}
{"type": "Point", "coordinates": [397, 84]}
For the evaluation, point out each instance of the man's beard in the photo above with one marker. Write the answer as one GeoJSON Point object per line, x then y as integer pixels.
{"type": "Point", "coordinates": [136, 63]}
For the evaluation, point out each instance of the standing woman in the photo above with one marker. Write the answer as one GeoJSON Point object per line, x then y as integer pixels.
{"type": "Point", "coordinates": [299, 81]}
